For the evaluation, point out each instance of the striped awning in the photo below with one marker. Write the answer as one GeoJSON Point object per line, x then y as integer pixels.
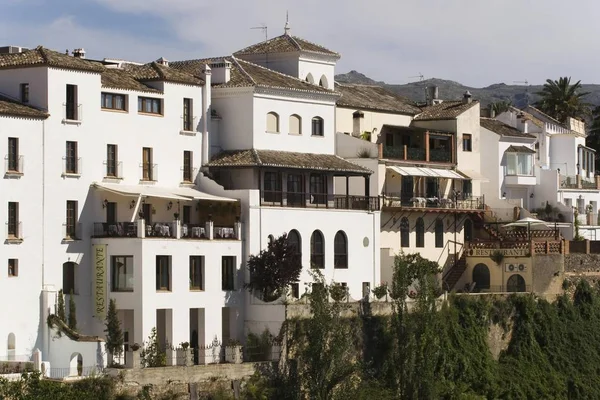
{"type": "Point", "coordinates": [429, 172]}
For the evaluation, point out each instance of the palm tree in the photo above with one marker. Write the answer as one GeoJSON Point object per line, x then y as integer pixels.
{"type": "Point", "coordinates": [561, 100]}
{"type": "Point", "coordinates": [501, 106]}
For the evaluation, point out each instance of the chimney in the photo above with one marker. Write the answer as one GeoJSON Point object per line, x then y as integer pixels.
{"type": "Point", "coordinates": [492, 111]}
{"type": "Point", "coordinates": [206, 111]}
{"type": "Point", "coordinates": [432, 95]}
{"type": "Point", "coordinates": [467, 98]}
{"type": "Point", "coordinates": [525, 125]}
{"type": "Point", "coordinates": [163, 61]}
{"type": "Point", "coordinates": [79, 53]}
{"type": "Point", "coordinates": [221, 71]}
{"type": "Point", "coordinates": [358, 123]}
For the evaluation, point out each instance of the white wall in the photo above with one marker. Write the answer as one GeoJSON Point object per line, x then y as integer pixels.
{"type": "Point", "coordinates": [372, 121]}
{"type": "Point", "coordinates": [236, 108]}
{"type": "Point", "coordinates": [37, 77]}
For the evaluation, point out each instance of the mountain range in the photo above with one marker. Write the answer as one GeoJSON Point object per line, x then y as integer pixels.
{"type": "Point", "coordinates": [519, 95]}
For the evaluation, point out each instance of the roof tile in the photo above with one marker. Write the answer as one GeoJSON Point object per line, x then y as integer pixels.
{"type": "Point", "coordinates": [157, 72]}
{"type": "Point", "coordinates": [14, 108]}
{"type": "Point", "coordinates": [502, 129]}
{"type": "Point", "coordinates": [286, 44]}
{"type": "Point", "coordinates": [42, 56]}
{"type": "Point", "coordinates": [370, 97]}
{"type": "Point", "coordinates": [444, 110]}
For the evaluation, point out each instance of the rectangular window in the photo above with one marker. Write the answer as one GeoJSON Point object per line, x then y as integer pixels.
{"type": "Point", "coordinates": [71, 223]}
{"type": "Point", "coordinates": [111, 160]}
{"type": "Point", "coordinates": [13, 154]}
{"type": "Point", "coordinates": [519, 164]}
{"type": "Point", "coordinates": [113, 101]}
{"type": "Point", "coordinates": [467, 139]}
{"type": "Point", "coordinates": [71, 159]}
{"type": "Point", "coordinates": [111, 213]}
{"type": "Point", "coordinates": [24, 92]}
{"type": "Point", "coordinates": [13, 219]}
{"type": "Point", "coordinates": [71, 104]}
{"type": "Point", "coordinates": [187, 166]}
{"type": "Point", "coordinates": [196, 272]}
{"type": "Point", "coordinates": [149, 105]}
{"type": "Point", "coordinates": [13, 267]}
{"type": "Point", "coordinates": [122, 273]}
{"type": "Point", "coordinates": [318, 189]}
{"type": "Point", "coordinates": [188, 118]}
{"type": "Point", "coordinates": [228, 273]}
{"type": "Point", "coordinates": [147, 166]}
{"type": "Point", "coordinates": [147, 211]}
{"type": "Point", "coordinates": [69, 278]}
{"type": "Point", "coordinates": [163, 273]}
{"type": "Point", "coordinates": [187, 215]}
{"type": "Point", "coordinates": [272, 187]}
{"type": "Point", "coordinates": [295, 190]}
{"type": "Point", "coordinates": [467, 188]}
{"type": "Point", "coordinates": [295, 290]}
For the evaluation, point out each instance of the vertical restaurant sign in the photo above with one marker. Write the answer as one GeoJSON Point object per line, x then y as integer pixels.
{"type": "Point", "coordinates": [99, 281]}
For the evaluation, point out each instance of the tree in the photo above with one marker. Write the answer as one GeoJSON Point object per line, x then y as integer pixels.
{"type": "Point", "coordinates": [593, 138]}
{"type": "Point", "coordinates": [114, 334]}
{"type": "Point", "coordinates": [152, 355]}
{"type": "Point", "coordinates": [561, 100]}
{"type": "Point", "coordinates": [274, 269]}
{"type": "Point", "coordinates": [60, 307]}
{"type": "Point", "coordinates": [501, 106]}
{"type": "Point", "coordinates": [72, 313]}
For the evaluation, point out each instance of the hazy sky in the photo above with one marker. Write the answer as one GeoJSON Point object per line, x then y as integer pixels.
{"type": "Point", "coordinates": [475, 42]}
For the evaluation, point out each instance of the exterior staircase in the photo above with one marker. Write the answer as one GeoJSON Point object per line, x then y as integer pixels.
{"type": "Point", "coordinates": [453, 276]}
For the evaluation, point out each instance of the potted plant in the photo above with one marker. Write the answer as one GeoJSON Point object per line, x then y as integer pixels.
{"type": "Point", "coordinates": [233, 352]}
{"type": "Point", "coordinates": [380, 291]}
{"type": "Point", "coordinates": [184, 354]}
{"type": "Point", "coordinates": [176, 216]}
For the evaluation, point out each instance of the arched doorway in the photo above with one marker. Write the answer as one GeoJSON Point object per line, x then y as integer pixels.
{"type": "Point", "coordinates": [516, 283]}
{"type": "Point", "coordinates": [11, 346]}
{"type": "Point", "coordinates": [481, 277]}
{"type": "Point", "coordinates": [76, 365]}
{"type": "Point", "coordinates": [468, 230]}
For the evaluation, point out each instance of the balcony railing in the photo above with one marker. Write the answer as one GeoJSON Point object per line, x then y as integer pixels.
{"type": "Point", "coordinates": [14, 165]}
{"type": "Point", "coordinates": [460, 202]}
{"type": "Point", "coordinates": [415, 154]}
{"type": "Point", "coordinates": [224, 232]}
{"type": "Point", "coordinates": [169, 230]}
{"type": "Point", "coordinates": [14, 231]}
{"type": "Point", "coordinates": [113, 169]}
{"type": "Point", "coordinates": [188, 174]}
{"type": "Point", "coordinates": [72, 231]}
{"type": "Point", "coordinates": [439, 155]}
{"type": "Point", "coordinates": [319, 200]}
{"type": "Point", "coordinates": [72, 113]}
{"type": "Point", "coordinates": [393, 152]}
{"type": "Point", "coordinates": [115, 229]}
{"type": "Point", "coordinates": [72, 166]}
{"type": "Point", "coordinates": [148, 172]}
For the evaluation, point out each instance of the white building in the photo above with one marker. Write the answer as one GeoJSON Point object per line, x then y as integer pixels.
{"type": "Point", "coordinates": [427, 162]}
{"type": "Point", "coordinates": [106, 205]}
{"type": "Point", "coordinates": [273, 146]}
{"type": "Point", "coordinates": [564, 169]}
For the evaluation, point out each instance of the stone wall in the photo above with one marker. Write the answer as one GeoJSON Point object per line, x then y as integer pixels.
{"type": "Point", "coordinates": [582, 264]}
{"type": "Point", "coordinates": [547, 270]}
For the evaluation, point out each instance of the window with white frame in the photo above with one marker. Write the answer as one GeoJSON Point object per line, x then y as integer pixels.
{"type": "Point", "coordinates": [519, 164]}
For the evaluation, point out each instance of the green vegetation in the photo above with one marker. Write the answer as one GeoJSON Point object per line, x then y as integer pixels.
{"type": "Point", "coordinates": [72, 313]}
{"type": "Point", "coordinates": [561, 100]}
{"type": "Point", "coordinates": [114, 333]}
{"type": "Point", "coordinates": [60, 307]}
{"type": "Point", "coordinates": [152, 354]}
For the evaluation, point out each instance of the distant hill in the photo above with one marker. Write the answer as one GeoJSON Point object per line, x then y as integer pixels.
{"type": "Point", "coordinates": [519, 95]}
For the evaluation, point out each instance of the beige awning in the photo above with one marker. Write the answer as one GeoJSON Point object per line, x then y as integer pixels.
{"type": "Point", "coordinates": [176, 193]}
{"type": "Point", "coordinates": [471, 174]}
{"type": "Point", "coordinates": [430, 172]}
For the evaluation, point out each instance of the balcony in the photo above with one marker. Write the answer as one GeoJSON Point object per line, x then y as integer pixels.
{"type": "Point", "coordinates": [520, 180]}
{"type": "Point", "coordinates": [416, 154]}
{"type": "Point", "coordinates": [579, 182]}
{"type": "Point", "coordinates": [113, 170]}
{"type": "Point", "coordinates": [14, 232]}
{"type": "Point", "coordinates": [148, 172]}
{"type": "Point", "coordinates": [14, 165]}
{"type": "Point", "coordinates": [417, 144]}
{"type": "Point", "coordinates": [166, 230]}
{"type": "Point", "coordinates": [72, 167]}
{"type": "Point", "coordinates": [72, 113]}
{"type": "Point", "coordinates": [461, 202]}
{"type": "Point", "coordinates": [319, 201]}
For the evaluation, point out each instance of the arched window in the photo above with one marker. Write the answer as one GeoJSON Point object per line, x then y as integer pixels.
{"type": "Point", "coordinates": [324, 82]}
{"type": "Point", "coordinates": [273, 122]}
{"type": "Point", "coordinates": [340, 247]}
{"type": "Point", "coordinates": [317, 250]}
{"type": "Point", "coordinates": [295, 241]}
{"type": "Point", "coordinates": [404, 232]}
{"type": "Point", "coordinates": [468, 230]}
{"type": "Point", "coordinates": [317, 126]}
{"type": "Point", "coordinates": [439, 233]}
{"type": "Point", "coordinates": [516, 283]}
{"type": "Point", "coordinates": [310, 79]}
{"type": "Point", "coordinates": [68, 285]}
{"type": "Point", "coordinates": [295, 124]}
{"type": "Point", "coordinates": [420, 228]}
{"type": "Point", "coordinates": [481, 277]}
{"type": "Point", "coordinates": [11, 345]}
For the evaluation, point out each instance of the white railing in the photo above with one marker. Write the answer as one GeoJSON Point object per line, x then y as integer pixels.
{"type": "Point", "coordinates": [113, 171]}
{"type": "Point", "coordinates": [71, 232]}
{"type": "Point", "coordinates": [72, 167]}
{"type": "Point", "coordinates": [14, 166]}
{"type": "Point", "coordinates": [14, 232]}
{"type": "Point", "coordinates": [148, 172]}
{"type": "Point", "coordinates": [72, 113]}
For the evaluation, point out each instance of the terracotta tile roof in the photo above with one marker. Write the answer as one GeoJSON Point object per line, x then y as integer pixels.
{"type": "Point", "coordinates": [531, 110]}
{"type": "Point", "coordinates": [247, 74]}
{"type": "Point", "coordinates": [370, 97]}
{"type": "Point", "coordinates": [157, 72]}
{"type": "Point", "coordinates": [530, 117]}
{"type": "Point", "coordinates": [285, 159]}
{"type": "Point", "coordinates": [42, 56]}
{"type": "Point", "coordinates": [14, 108]}
{"type": "Point", "coordinates": [444, 110]}
{"type": "Point", "coordinates": [519, 149]}
{"type": "Point", "coordinates": [115, 78]}
{"type": "Point", "coordinates": [502, 129]}
{"type": "Point", "coordinates": [286, 44]}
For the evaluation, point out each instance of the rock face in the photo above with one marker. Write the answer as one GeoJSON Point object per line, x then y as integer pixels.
{"type": "Point", "coordinates": [498, 339]}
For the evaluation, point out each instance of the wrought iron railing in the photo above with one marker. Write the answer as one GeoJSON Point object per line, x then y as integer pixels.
{"type": "Point", "coordinates": [319, 200]}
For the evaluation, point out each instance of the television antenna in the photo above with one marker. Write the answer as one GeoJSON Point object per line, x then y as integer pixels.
{"type": "Point", "coordinates": [526, 83]}
{"type": "Point", "coordinates": [420, 76]}
{"type": "Point", "coordinates": [263, 28]}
